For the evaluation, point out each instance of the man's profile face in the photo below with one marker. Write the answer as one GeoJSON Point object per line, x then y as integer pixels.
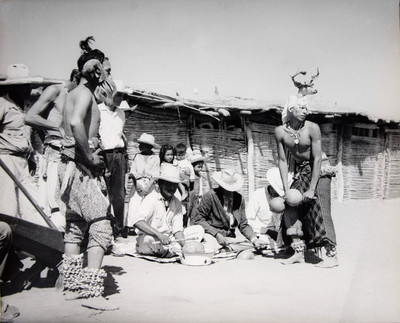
{"type": "Point", "coordinates": [167, 189]}
{"type": "Point", "coordinates": [145, 147]}
{"type": "Point", "coordinates": [20, 92]}
{"type": "Point", "coordinates": [300, 112]}
{"type": "Point", "coordinates": [107, 68]}
{"type": "Point", "coordinates": [93, 70]}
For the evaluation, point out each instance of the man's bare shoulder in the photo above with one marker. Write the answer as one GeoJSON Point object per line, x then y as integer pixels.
{"type": "Point", "coordinates": [309, 123]}
{"type": "Point", "coordinates": [279, 131]}
{"type": "Point", "coordinates": [311, 126]}
{"type": "Point", "coordinates": [81, 93]}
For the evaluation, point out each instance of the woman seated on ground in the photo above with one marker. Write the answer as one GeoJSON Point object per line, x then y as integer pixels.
{"type": "Point", "coordinates": [222, 210]}
{"type": "Point", "coordinates": [145, 167]}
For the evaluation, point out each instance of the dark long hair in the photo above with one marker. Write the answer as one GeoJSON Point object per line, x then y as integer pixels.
{"type": "Point", "coordinates": [163, 150]}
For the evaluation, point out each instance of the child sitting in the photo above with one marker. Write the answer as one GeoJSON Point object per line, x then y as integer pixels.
{"type": "Point", "coordinates": [167, 154]}
{"type": "Point", "coordinates": [196, 187]}
{"type": "Point", "coordinates": [186, 175]}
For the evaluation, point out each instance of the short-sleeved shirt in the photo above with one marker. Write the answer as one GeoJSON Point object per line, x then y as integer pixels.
{"type": "Point", "coordinates": [111, 127]}
{"type": "Point", "coordinates": [153, 210]}
{"type": "Point", "coordinates": [258, 209]}
{"type": "Point", "coordinates": [14, 134]}
{"type": "Point", "coordinates": [145, 166]}
{"type": "Point", "coordinates": [187, 171]}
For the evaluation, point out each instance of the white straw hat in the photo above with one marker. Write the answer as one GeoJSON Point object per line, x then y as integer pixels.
{"type": "Point", "coordinates": [169, 173]}
{"type": "Point", "coordinates": [19, 74]}
{"type": "Point", "coordinates": [197, 156]}
{"type": "Point", "coordinates": [148, 139]}
{"type": "Point", "coordinates": [229, 179]}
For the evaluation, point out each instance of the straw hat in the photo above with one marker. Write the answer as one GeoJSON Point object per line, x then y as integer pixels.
{"type": "Point", "coordinates": [229, 179]}
{"type": "Point", "coordinates": [148, 139]}
{"type": "Point", "coordinates": [169, 173]}
{"type": "Point", "coordinates": [19, 74]}
{"type": "Point", "coordinates": [197, 156]}
{"type": "Point", "coordinates": [274, 179]}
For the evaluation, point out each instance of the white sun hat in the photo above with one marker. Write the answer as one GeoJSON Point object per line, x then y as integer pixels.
{"type": "Point", "coordinates": [169, 173]}
{"type": "Point", "coordinates": [229, 179]}
{"type": "Point", "coordinates": [196, 156]}
{"type": "Point", "coordinates": [145, 138]}
{"type": "Point", "coordinates": [19, 74]}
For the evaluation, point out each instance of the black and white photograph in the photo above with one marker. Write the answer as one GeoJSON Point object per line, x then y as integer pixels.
{"type": "Point", "coordinates": [199, 161]}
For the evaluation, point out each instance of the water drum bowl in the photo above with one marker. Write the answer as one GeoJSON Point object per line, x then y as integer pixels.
{"type": "Point", "coordinates": [196, 259]}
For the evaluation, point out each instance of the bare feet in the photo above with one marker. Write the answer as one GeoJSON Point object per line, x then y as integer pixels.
{"type": "Point", "coordinates": [298, 257]}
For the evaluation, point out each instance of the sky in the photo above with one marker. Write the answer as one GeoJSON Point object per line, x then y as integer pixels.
{"type": "Point", "coordinates": [244, 48]}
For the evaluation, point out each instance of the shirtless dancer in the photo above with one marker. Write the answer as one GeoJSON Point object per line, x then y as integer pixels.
{"type": "Point", "coordinates": [301, 139]}
{"type": "Point", "coordinates": [87, 208]}
{"type": "Point", "coordinates": [46, 114]}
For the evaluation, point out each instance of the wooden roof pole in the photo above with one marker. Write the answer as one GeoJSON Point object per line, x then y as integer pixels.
{"type": "Point", "coordinates": [250, 157]}
{"type": "Point", "coordinates": [339, 165]}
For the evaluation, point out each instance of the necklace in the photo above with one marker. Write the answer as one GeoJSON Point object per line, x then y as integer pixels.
{"type": "Point", "coordinates": [294, 133]}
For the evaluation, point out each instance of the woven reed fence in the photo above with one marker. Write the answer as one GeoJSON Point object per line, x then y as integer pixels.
{"type": "Point", "coordinates": [225, 149]}
{"type": "Point", "coordinates": [265, 152]}
{"type": "Point", "coordinates": [165, 129]}
{"type": "Point", "coordinates": [392, 165]}
{"type": "Point", "coordinates": [363, 168]}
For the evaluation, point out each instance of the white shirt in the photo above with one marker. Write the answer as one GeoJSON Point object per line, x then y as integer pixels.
{"type": "Point", "coordinates": [187, 168]}
{"type": "Point", "coordinates": [111, 127]}
{"type": "Point", "coordinates": [153, 210]}
{"type": "Point", "coordinates": [258, 212]}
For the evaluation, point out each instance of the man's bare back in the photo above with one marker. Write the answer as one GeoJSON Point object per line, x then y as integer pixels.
{"type": "Point", "coordinates": [81, 102]}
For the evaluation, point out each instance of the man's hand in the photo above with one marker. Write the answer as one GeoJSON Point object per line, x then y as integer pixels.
{"type": "Point", "coordinates": [257, 244]}
{"type": "Point", "coordinates": [222, 240]}
{"type": "Point", "coordinates": [309, 195]}
{"type": "Point", "coordinates": [96, 160]}
{"type": "Point", "coordinates": [163, 238]}
{"type": "Point", "coordinates": [32, 166]}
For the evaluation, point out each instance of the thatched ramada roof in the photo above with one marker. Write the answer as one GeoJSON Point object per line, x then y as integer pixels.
{"type": "Point", "coordinates": [219, 107]}
{"type": "Point", "coordinates": [215, 108]}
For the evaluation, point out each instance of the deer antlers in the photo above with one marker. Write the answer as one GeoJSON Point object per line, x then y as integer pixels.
{"type": "Point", "coordinates": [305, 88]}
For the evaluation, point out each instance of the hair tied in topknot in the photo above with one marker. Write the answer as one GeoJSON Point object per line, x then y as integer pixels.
{"type": "Point", "coordinates": [85, 44]}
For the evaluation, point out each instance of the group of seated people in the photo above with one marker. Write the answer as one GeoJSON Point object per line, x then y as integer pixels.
{"type": "Point", "coordinates": [168, 207]}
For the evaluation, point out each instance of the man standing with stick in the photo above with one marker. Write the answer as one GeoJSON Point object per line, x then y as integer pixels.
{"type": "Point", "coordinates": [301, 140]}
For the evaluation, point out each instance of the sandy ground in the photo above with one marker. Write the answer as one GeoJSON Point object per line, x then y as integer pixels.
{"type": "Point", "coordinates": [364, 288]}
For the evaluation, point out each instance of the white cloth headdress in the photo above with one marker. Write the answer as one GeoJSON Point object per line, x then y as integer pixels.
{"type": "Point", "coordinates": [292, 101]}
